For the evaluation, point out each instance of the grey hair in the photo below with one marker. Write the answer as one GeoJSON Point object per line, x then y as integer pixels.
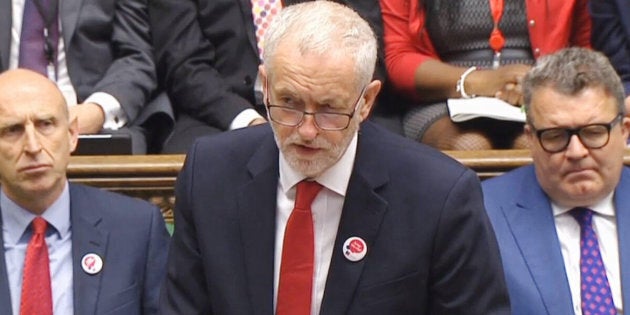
{"type": "Point", "coordinates": [571, 71]}
{"type": "Point", "coordinates": [323, 28]}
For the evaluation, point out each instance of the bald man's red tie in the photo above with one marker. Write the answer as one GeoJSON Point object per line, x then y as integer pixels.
{"type": "Point", "coordinates": [296, 269]}
{"type": "Point", "coordinates": [36, 293]}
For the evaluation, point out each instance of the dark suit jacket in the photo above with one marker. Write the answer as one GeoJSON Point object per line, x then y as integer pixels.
{"type": "Point", "coordinates": [523, 221]}
{"type": "Point", "coordinates": [430, 246]}
{"type": "Point", "coordinates": [108, 49]}
{"type": "Point", "coordinates": [207, 56]}
{"type": "Point", "coordinates": [130, 236]}
{"type": "Point", "coordinates": [611, 34]}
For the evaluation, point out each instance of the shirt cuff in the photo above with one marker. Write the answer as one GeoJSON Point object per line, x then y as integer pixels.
{"type": "Point", "coordinates": [115, 116]}
{"type": "Point", "coordinates": [244, 118]}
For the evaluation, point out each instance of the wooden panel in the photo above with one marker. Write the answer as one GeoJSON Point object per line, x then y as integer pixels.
{"type": "Point", "coordinates": [152, 177]}
{"type": "Point", "coordinates": [492, 162]}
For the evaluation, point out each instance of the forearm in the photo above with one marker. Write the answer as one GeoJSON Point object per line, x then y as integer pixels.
{"type": "Point", "coordinates": [435, 80]}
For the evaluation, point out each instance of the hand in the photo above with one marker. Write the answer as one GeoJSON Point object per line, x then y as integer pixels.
{"type": "Point", "coordinates": [90, 117]}
{"type": "Point", "coordinates": [503, 82]}
{"type": "Point", "coordinates": [257, 121]}
{"type": "Point", "coordinates": [511, 93]}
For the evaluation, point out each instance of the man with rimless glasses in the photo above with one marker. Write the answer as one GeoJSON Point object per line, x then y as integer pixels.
{"type": "Point", "coordinates": [391, 226]}
{"type": "Point", "coordinates": [563, 223]}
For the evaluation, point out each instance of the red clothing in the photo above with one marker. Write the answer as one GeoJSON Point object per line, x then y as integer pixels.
{"type": "Point", "coordinates": [553, 25]}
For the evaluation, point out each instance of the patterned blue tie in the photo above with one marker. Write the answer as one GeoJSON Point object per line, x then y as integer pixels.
{"type": "Point", "coordinates": [596, 294]}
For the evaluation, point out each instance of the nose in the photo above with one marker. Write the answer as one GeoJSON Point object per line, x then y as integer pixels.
{"type": "Point", "coordinates": [576, 149]}
{"type": "Point", "coordinates": [32, 143]}
{"type": "Point", "coordinates": [307, 129]}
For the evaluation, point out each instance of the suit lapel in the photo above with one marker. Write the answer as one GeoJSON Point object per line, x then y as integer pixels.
{"type": "Point", "coordinates": [362, 214]}
{"type": "Point", "coordinates": [532, 224]}
{"type": "Point", "coordinates": [5, 33]}
{"type": "Point", "coordinates": [86, 238]}
{"type": "Point", "coordinates": [69, 13]}
{"type": "Point", "coordinates": [622, 208]}
{"type": "Point", "coordinates": [257, 213]}
{"type": "Point", "coordinates": [5, 294]}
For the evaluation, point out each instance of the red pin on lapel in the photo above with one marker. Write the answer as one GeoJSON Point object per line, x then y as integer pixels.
{"type": "Point", "coordinates": [354, 248]}
{"type": "Point", "coordinates": [91, 263]}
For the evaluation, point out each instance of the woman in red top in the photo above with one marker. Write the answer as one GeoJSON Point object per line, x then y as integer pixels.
{"type": "Point", "coordinates": [430, 45]}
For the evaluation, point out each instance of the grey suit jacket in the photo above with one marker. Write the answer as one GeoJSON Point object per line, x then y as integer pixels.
{"type": "Point", "coordinates": [108, 49]}
{"type": "Point", "coordinates": [525, 228]}
{"type": "Point", "coordinates": [129, 235]}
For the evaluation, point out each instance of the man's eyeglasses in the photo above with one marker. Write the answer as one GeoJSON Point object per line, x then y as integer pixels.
{"type": "Point", "coordinates": [292, 117]}
{"type": "Point", "coordinates": [593, 136]}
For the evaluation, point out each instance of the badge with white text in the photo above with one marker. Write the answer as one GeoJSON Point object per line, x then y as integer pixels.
{"type": "Point", "coordinates": [91, 263]}
{"type": "Point", "coordinates": [354, 248]}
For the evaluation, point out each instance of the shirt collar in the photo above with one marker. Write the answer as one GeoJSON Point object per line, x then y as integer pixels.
{"type": "Point", "coordinates": [603, 207]}
{"type": "Point", "coordinates": [16, 219]}
{"type": "Point", "coordinates": [335, 178]}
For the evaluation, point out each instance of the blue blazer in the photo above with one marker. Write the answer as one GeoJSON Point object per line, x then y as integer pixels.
{"type": "Point", "coordinates": [611, 34]}
{"type": "Point", "coordinates": [524, 225]}
{"type": "Point", "coordinates": [430, 247]}
{"type": "Point", "coordinates": [129, 235]}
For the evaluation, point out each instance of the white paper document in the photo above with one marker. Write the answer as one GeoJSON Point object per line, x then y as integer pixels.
{"type": "Point", "coordinates": [462, 109]}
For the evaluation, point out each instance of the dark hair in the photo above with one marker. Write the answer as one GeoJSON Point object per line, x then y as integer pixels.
{"type": "Point", "coordinates": [570, 71]}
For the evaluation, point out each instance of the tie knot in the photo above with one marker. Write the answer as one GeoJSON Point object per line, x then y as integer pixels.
{"type": "Point", "coordinates": [39, 225]}
{"type": "Point", "coordinates": [584, 216]}
{"type": "Point", "coordinates": [306, 192]}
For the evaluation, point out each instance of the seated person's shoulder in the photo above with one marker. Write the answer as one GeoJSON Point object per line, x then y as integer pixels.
{"type": "Point", "coordinates": [504, 182]}
{"type": "Point", "coordinates": [112, 205]}
{"type": "Point", "coordinates": [412, 160]}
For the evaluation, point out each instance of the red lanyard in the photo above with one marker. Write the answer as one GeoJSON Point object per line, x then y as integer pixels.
{"type": "Point", "coordinates": [497, 40]}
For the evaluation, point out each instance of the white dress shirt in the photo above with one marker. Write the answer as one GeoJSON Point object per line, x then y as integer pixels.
{"type": "Point", "coordinates": [605, 226]}
{"type": "Point", "coordinates": [115, 116]}
{"type": "Point", "coordinates": [326, 209]}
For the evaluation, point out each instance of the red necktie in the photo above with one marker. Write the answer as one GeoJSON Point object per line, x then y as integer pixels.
{"type": "Point", "coordinates": [296, 268]}
{"type": "Point", "coordinates": [36, 293]}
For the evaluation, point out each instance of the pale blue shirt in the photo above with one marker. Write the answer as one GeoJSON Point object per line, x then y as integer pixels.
{"type": "Point", "coordinates": [16, 233]}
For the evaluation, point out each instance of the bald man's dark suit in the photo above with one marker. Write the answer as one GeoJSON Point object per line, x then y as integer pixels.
{"type": "Point", "coordinates": [130, 237]}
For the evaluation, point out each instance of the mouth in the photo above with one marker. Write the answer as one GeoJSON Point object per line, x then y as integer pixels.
{"type": "Point", "coordinates": [34, 169]}
{"type": "Point", "coordinates": [579, 172]}
{"type": "Point", "coordinates": [305, 149]}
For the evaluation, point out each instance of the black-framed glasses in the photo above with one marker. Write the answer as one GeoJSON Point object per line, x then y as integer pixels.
{"type": "Point", "coordinates": [331, 121]}
{"type": "Point", "coordinates": [593, 136]}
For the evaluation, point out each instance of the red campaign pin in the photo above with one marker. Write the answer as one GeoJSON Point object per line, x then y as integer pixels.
{"type": "Point", "coordinates": [91, 263]}
{"type": "Point", "coordinates": [354, 248]}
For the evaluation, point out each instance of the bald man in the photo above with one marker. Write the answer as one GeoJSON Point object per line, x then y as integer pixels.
{"type": "Point", "coordinates": [106, 252]}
